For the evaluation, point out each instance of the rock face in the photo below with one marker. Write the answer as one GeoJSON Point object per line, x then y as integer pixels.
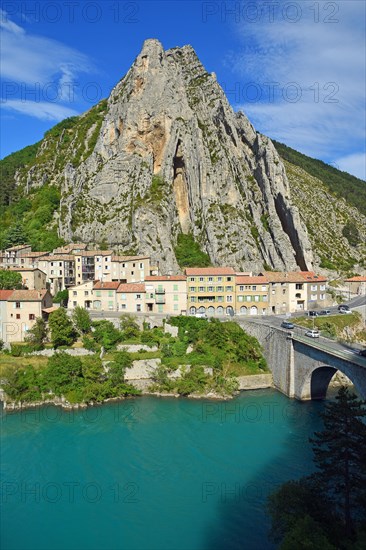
{"type": "Point", "coordinates": [172, 157]}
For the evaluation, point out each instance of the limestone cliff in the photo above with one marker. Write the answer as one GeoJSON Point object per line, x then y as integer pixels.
{"type": "Point", "coordinates": [167, 154]}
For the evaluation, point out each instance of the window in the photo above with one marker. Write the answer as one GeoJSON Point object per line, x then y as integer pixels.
{"type": "Point", "coordinates": [110, 293]}
{"type": "Point", "coordinates": [98, 293]}
{"type": "Point", "coordinates": [175, 288]}
{"type": "Point", "coordinates": [201, 289]}
{"type": "Point", "coordinates": [60, 264]}
{"type": "Point", "coordinates": [17, 305]}
{"type": "Point", "coordinates": [228, 278]}
{"type": "Point", "coordinates": [265, 297]}
{"type": "Point", "coordinates": [229, 288]}
{"type": "Point", "coordinates": [160, 308]}
{"type": "Point", "coordinates": [74, 304]}
{"type": "Point", "coordinates": [123, 265]}
{"type": "Point", "coordinates": [254, 287]}
{"type": "Point", "coordinates": [322, 296]}
{"type": "Point", "coordinates": [110, 304]}
{"type": "Point", "coordinates": [219, 289]}
{"type": "Point", "coordinates": [219, 279]}
{"type": "Point", "coordinates": [210, 289]}
{"type": "Point", "coordinates": [314, 288]}
{"type": "Point", "coordinates": [86, 293]}
{"type": "Point", "coordinates": [210, 279]}
{"type": "Point", "coordinates": [133, 265]}
{"type": "Point", "coordinates": [74, 293]}
{"type": "Point", "coordinates": [98, 259]}
{"type": "Point", "coordinates": [241, 288]}
{"type": "Point", "coordinates": [256, 298]}
{"type": "Point", "coordinates": [240, 298]}
{"type": "Point", "coordinates": [192, 279]}
{"type": "Point", "coordinates": [283, 291]}
{"type": "Point", "coordinates": [201, 279]}
{"type": "Point", "coordinates": [51, 271]}
{"type": "Point", "coordinates": [264, 288]}
{"type": "Point", "coordinates": [175, 307]}
{"type": "Point", "coordinates": [313, 296]}
{"type": "Point", "coordinates": [192, 289]}
{"type": "Point", "coordinates": [229, 298]}
{"type": "Point", "coordinates": [132, 272]}
{"type": "Point", "coordinates": [175, 297]}
{"type": "Point", "coordinates": [123, 296]}
{"type": "Point", "coordinates": [299, 286]}
{"type": "Point", "coordinates": [18, 315]}
{"type": "Point", "coordinates": [322, 287]}
{"type": "Point", "coordinates": [141, 265]}
{"type": "Point", "coordinates": [193, 298]}
{"type": "Point", "coordinates": [138, 307]}
{"type": "Point", "coordinates": [138, 296]}
{"type": "Point", "coordinates": [51, 263]}
{"type": "Point", "coordinates": [123, 306]}
{"type": "Point", "coordinates": [220, 298]}
{"type": "Point", "coordinates": [249, 298]}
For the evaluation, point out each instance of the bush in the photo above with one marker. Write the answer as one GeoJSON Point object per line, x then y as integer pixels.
{"type": "Point", "coordinates": [106, 334]}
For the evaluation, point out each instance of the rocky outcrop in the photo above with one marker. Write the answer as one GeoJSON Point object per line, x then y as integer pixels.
{"type": "Point", "coordinates": [172, 156]}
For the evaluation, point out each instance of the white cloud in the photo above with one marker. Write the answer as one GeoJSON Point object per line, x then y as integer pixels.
{"type": "Point", "coordinates": [308, 52]}
{"type": "Point", "coordinates": [40, 110]}
{"type": "Point", "coordinates": [32, 62]}
{"type": "Point", "coordinates": [354, 164]}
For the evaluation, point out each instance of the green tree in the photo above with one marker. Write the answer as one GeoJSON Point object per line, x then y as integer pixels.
{"type": "Point", "coordinates": [189, 254]}
{"type": "Point", "coordinates": [81, 319]}
{"type": "Point", "coordinates": [15, 235]}
{"type": "Point", "coordinates": [351, 233]}
{"type": "Point", "coordinates": [129, 326]}
{"type": "Point", "coordinates": [306, 534]}
{"type": "Point", "coordinates": [62, 329]}
{"type": "Point", "coordinates": [62, 297]}
{"type": "Point", "coordinates": [37, 335]}
{"type": "Point", "coordinates": [340, 456]}
{"type": "Point", "coordinates": [63, 373]}
{"type": "Point", "coordinates": [106, 334]}
{"type": "Point", "coordinates": [117, 369]}
{"type": "Point", "coordinates": [10, 280]}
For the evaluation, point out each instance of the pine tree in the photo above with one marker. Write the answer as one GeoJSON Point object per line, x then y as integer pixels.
{"type": "Point", "coordinates": [339, 454]}
{"type": "Point", "coordinates": [37, 335]}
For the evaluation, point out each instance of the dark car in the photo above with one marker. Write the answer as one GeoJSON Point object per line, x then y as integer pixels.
{"type": "Point", "coordinates": [324, 312]}
{"type": "Point", "coordinates": [362, 352]}
{"type": "Point", "coordinates": [312, 313]}
{"type": "Point", "coordinates": [287, 324]}
{"type": "Point", "coordinates": [343, 306]}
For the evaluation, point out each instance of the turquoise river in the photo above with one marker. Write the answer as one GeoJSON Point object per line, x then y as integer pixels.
{"type": "Point", "coordinates": [150, 473]}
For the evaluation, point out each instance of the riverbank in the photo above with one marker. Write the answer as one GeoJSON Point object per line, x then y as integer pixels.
{"type": "Point", "coordinates": [245, 383]}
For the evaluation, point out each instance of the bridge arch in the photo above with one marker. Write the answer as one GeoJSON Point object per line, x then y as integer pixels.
{"type": "Point", "coordinates": [320, 379]}
{"type": "Point", "coordinates": [316, 383]}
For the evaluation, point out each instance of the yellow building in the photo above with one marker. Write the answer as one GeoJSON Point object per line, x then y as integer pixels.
{"type": "Point", "coordinates": [32, 277]}
{"type": "Point", "coordinates": [211, 290]}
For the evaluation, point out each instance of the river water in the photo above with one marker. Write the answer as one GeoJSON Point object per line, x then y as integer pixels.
{"type": "Point", "coordinates": [150, 473]}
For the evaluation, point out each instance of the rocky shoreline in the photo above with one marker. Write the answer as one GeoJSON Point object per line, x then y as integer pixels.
{"type": "Point", "coordinates": [250, 382]}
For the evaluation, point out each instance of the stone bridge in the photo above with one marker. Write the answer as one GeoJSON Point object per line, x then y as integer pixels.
{"type": "Point", "coordinates": [302, 367]}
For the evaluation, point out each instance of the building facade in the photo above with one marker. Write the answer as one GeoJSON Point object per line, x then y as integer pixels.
{"type": "Point", "coordinates": [252, 295]}
{"type": "Point", "coordinates": [211, 290]}
{"type": "Point", "coordinates": [166, 294]}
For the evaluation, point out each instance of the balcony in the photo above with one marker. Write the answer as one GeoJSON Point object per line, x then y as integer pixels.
{"type": "Point", "coordinates": [69, 281]}
{"type": "Point", "coordinates": [160, 299]}
{"type": "Point", "coordinates": [159, 291]}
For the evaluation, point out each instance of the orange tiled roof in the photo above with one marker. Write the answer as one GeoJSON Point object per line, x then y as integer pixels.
{"type": "Point", "coordinates": [27, 295]}
{"type": "Point", "coordinates": [165, 278]}
{"type": "Point", "coordinates": [89, 253]}
{"type": "Point", "coordinates": [58, 258]}
{"type": "Point", "coordinates": [18, 247]}
{"type": "Point", "coordinates": [284, 277]}
{"type": "Point", "coordinates": [106, 285]}
{"type": "Point", "coordinates": [312, 277]}
{"type": "Point", "coordinates": [246, 280]}
{"type": "Point", "coordinates": [5, 295]}
{"type": "Point", "coordinates": [209, 271]}
{"type": "Point", "coordinates": [356, 279]}
{"type": "Point", "coordinates": [131, 287]}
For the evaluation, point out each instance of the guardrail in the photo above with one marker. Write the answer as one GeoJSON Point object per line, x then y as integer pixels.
{"type": "Point", "coordinates": [338, 353]}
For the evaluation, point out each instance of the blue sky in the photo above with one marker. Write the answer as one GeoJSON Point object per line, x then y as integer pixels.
{"type": "Point", "coordinates": [296, 68]}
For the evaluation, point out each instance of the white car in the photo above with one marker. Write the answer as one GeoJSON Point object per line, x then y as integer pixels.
{"type": "Point", "coordinates": [201, 315]}
{"type": "Point", "coordinates": [312, 333]}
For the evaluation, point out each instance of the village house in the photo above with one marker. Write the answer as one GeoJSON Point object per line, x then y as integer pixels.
{"type": "Point", "coordinates": [211, 290]}
{"type": "Point", "coordinates": [81, 295]}
{"type": "Point", "coordinates": [287, 292]}
{"type": "Point", "coordinates": [32, 277]}
{"type": "Point", "coordinates": [59, 269]}
{"type": "Point", "coordinates": [19, 310]}
{"type": "Point", "coordinates": [252, 295]}
{"type": "Point", "coordinates": [166, 294]}
{"type": "Point", "coordinates": [315, 289]}
{"type": "Point", "coordinates": [131, 297]}
{"type": "Point", "coordinates": [357, 285]}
